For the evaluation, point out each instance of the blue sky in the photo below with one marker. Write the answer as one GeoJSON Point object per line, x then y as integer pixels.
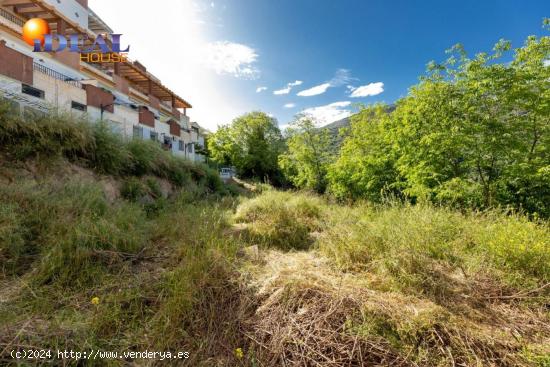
{"type": "Point", "coordinates": [350, 51]}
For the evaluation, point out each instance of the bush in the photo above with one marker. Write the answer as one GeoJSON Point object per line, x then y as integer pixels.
{"type": "Point", "coordinates": [133, 189]}
{"type": "Point", "coordinates": [102, 149]}
{"type": "Point", "coordinates": [281, 219]}
{"type": "Point", "coordinates": [45, 136]}
{"type": "Point", "coordinates": [110, 154]}
{"type": "Point", "coordinates": [145, 157]}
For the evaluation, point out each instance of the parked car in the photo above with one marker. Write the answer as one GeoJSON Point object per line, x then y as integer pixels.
{"type": "Point", "coordinates": [226, 173]}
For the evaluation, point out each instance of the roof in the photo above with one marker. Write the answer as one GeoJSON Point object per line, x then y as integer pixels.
{"type": "Point", "coordinates": [96, 24]}
{"type": "Point", "coordinates": [136, 74]}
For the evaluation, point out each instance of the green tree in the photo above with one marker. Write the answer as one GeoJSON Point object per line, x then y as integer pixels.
{"type": "Point", "coordinates": [251, 143]}
{"type": "Point", "coordinates": [365, 166]}
{"type": "Point", "coordinates": [308, 155]}
{"type": "Point", "coordinates": [473, 132]}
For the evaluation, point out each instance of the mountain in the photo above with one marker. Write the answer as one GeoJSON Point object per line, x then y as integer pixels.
{"type": "Point", "coordinates": [334, 130]}
{"type": "Point", "coordinates": [337, 125]}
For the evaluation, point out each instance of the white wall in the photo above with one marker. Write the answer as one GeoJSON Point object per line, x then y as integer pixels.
{"type": "Point", "coordinates": [72, 10]}
{"type": "Point", "coordinates": [162, 128]}
{"type": "Point", "coordinates": [58, 93]}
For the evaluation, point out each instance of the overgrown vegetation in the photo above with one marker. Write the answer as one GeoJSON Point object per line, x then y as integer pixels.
{"type": "Point", "coordinates": [396, 284]}
{"type": "Point", "coordinates": [85, 214]}
{"type": "Point", "coordinates": [119, 246]}
{"type": "Point", "coordinates": [95, 146]}
{"type": "Point", "coordinates": [280, 219]}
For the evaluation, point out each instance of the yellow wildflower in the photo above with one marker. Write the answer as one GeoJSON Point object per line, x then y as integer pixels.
{"type": "Point", "coordinates": [239, 353]}
{"type": "Point", "coordinates": [95, 301]}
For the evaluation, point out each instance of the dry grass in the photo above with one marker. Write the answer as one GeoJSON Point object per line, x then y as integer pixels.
{"type": "Point", "coordinates": [314, 315]}
{"type": "Point", "coordinates": [399, 285]}
{"type": "Point", "coordinates": [280, 219]}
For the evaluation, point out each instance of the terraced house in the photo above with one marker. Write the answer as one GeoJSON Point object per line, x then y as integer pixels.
{"type": "Point", "coordinates": [126, 94]}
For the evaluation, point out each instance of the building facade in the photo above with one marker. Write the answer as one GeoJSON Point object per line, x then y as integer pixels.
{"type": "Point", "coordinates": [126, 94]}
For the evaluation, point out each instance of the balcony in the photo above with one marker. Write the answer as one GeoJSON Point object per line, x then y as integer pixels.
{"type": "Point", "coordinates": [11, 21]}
{"type": "Point", "coordinates": [56, 75]}
{"type": "Point", "coordinates": [175, 128]}
{"type": "Point", "coordinates": [15, 65]}
{"type": "Point", "coordinates": [176, 114]}
{"type": "Point", "coordinates": [138, 93]}
{"type": "Point", "coordinates": [146, 117]}
{"type": "Point", "coordinates": [97, 97]}
{"type": "Point", "coordinates": [184, 120]}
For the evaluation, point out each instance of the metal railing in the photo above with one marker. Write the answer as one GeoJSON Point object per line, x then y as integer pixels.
{"type": "Point", "coordinates": [12, 18]}
{"type": "Point", "coordinates": [56, 75]}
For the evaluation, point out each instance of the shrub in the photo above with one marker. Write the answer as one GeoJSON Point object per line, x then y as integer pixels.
{"type": "Point", "coordinates": [145, 157]}
{"type": "Point", "coordinates": [110, 154]}
{"type": "Point", "coordinates": [281, 219]}
{"type": "Point", "coordinates": [60, 136]}
{"type": "Point", "coordinates": [46, 136]}
{"type": "Point", "coordinates": [133, 189]}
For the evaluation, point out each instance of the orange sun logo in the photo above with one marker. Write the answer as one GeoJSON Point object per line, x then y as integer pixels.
{"type": "Point", "coordinates": [35, 28]}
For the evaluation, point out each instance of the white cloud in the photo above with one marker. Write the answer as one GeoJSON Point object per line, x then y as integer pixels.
{"type": "Point", "coordinates": [328, 113]}
{"type": "Point", "coordinates": [341, 77]}
{"type": "Point", "coordinates": [318, 89]}
{"type": "Point", "coordinates": [282, 91]}
{"type": "Point", "coordinates": [184, 72]}
{"type": "Point", "coordinates": [231, 58]}
{"type": "Point", "coordinates": [371, 89]}
{"type": "Point", "coordinates": [288, 87]}
{"type": "Point", "coordinates": [260, 89]}
{"type": "Point", "coordinates": [289, 105]}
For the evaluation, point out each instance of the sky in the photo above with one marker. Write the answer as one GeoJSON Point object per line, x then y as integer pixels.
{"type": "Point", "coordinates": [323, 58]}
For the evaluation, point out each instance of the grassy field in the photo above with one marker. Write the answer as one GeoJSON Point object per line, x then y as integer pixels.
{"type": "Point", "coordinates": [118, 246]}
{"type": "Point", "coordinates": [396, 284]}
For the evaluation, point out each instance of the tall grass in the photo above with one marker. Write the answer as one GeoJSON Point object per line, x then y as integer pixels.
{"type": "Point", "coordinates": [161, 279]}
{"type": "Point", "coordinates": [283, 220]}
{"type": "Point", "coordinates": [417, 245]}
{"type": "Point", "coordinates": [157, 260]}
{"type": "Point", "coordinates": [403, 285]}
{"type": "Point", "coordinates": [96, 146]}
{"type": "Point", "coordinates": [408, 245]}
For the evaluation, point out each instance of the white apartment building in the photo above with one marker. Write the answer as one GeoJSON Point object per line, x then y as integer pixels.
{"type": "Point", "coordinates": [126, 94]}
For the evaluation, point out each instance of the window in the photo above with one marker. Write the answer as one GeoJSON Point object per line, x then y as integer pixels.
{"type": "Point", "coordinates": [138, 132]}
{"type": "Point", "coordinates": [154, 136]}
{"type": "Point", "coordinates": [181, 145]}
{"type": "Point", "coordinates": [31, 91]}
{"type": "Point", "coordinates": [78, 106]}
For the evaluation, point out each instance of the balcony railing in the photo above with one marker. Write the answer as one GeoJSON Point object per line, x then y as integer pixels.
{"type": "Point", "coordinates": [56, 75]}
{"type": "Point", "coordinates": [12, 18]}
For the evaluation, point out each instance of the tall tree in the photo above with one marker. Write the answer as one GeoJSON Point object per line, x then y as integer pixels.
{"type": "Point", "coordinates": [365, 167]}
{"type": "Point", "coordinates": [251, 143]}
{"type": "Point", "coordinates": [473, 132]}
{"type": "Point", "coordinates": [308, 155]}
